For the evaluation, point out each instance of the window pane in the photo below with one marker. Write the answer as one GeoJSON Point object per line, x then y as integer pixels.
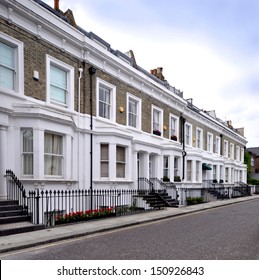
{"type": "Point", "coordinates": [120, 170]}
{"type": "Point", "coordinates": [58, 84]}
{"type": "Point", "coordinates": [53, 154]}
{"type": "Point", "coordinates": [173, 126]}
{"type": "Point", "coordinates": [28, 164]}
{"type": "Point", "coordinates": [104, 160]}
{"type": "Point", "coordinates": [104, 152]}
{"type": "Point", "coordinates": [104, 102]}
{"type": "Point", "coordinates": [27, 152]}
{"type": "Point", "coordinates": [53, 165]}
{"type": "Point", "coordinates": [6, 78]}
{"type": "Point", "coordinates": [6, 66]}
{"type": "Point", "coordinates": [132, 113]}
{"type": "Point", "coordinates": [6, 56]}
{"type": "Point", "coordinates": [120, 154]}
{"type": "Point", "coordinates": [104, 169]}
{"type": "Point", "coordinates": [120, 162]}
{"type": "Point", "coordinates": [27, 141]}
{"type": "Point", "coordinates": [156, 120]}
{"type": "Point", "coordinates": [53, 144]}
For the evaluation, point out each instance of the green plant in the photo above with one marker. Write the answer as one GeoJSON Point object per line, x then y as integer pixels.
{"type": "Point", "coordinates": [166, 179]}
{"type": "Point", "coordinates": [194, 200]}
{"type": "Point", "coordinates": [177, 179]}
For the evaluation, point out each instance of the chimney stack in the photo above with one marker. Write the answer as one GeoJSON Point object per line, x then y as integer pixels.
{"type": "Point", "coordinates": [56, 5]}
{"type": "Point", "coordinates": [158, 73]}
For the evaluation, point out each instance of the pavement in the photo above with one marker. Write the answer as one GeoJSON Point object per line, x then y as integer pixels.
{"type": "Point", "coordinates": [59, 233]}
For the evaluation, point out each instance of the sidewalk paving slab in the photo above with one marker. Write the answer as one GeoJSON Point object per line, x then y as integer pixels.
{"type": "Point", "coordinates": [59, 233]}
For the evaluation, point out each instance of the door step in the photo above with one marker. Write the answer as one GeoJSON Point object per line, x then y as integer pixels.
{"type": "Point", "coordinates": [21, 227]}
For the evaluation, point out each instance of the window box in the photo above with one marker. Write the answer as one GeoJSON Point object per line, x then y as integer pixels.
{"type": "Point", "coordinates": [157, 132]}
{"type": "Point", "coordinates": [177, 179]}
{"type": "Point", "coordinates": [166, 179]}
{"type": "Point", "coordinates": [174, 137]}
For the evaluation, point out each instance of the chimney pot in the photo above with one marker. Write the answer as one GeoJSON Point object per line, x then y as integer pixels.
{"type": "Point", "coordinates": [56, 5]}
{"type": "Point", "coordinates": [159, 70]}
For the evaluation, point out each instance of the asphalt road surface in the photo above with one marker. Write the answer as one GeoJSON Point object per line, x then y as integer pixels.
{"type": "Point", "coordinates": [230, 232]}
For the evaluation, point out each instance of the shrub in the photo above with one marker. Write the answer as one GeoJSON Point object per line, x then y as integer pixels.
{"type": "Point", "coordinates": [194, 200]}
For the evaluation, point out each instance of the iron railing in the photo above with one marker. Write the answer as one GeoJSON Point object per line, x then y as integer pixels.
{"type": "Point", "coordinates": [44, 206]}
{"type": "Point", "coordinates": [16, 191]}
{"type": "Point", "coordinates": [145, 184]}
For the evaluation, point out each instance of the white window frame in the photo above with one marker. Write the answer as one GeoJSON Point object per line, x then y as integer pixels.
{"type": "Point", "coordinates": [217, 145]}
{"type": "Point", "coordinates": [61, 156]}
{"type": "Point", "coordinates": [112, 89]}
{"type": "Point", "coordinates": [214, 172]}
{"type": "Point", "coordinates": [226, 148]}
{"type": "Point", "coordinates": [227, 175]}
{"type": "Point", "coordinates": [19, 64]}
{"type": "Point", "coordinates": [201, 139]}
{"type": "Point", "coordinates": [106, 161]}
{"type": "Point", "coordinates": [25, 153]}
{"type": "Point", "coordinates": [51, 61]}
{"type": "Point", "coordinates": [231, 151]}
{"type": "Point", "coordinates": [237, 153]}
{"type": "Point", "coordinates": [176, 166]}
{"type": "Point", "coordinates": [210, 142]}
{"type": "Point", "coordinates": [166, 169]}
{"type": "Point", "coordinates": [242, 155]}
{"type": "Point", "coordinates": [189, 170]}
{"type": "Point", "coordinates": [173, 132]}
{"type": "Point", "coordinates": [138, 110]}
{"type": "Point", "coordinates": [221, 179]}
{"type": "Point", "coordinates": [160, 119]}
{"type": "Point", "coordinates": [188, 138]}
{"type": "Point", "coordinates": [198, 165]}
{"type": "Point", "coordinates": [121, 163]}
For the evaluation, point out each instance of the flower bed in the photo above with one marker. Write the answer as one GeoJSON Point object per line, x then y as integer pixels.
{"type": "Point", "coordinates": [84, 215]}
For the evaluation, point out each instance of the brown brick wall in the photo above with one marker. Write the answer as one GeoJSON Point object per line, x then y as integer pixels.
{"type": "Point", "coordinates": [35, 51]}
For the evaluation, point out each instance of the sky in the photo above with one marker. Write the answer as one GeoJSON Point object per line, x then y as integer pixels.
{"type": "Point", "coordinates": [209, 49]}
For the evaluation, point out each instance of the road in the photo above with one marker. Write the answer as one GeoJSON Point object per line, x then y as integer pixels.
{"type": "Point", "coordinates": [229, 232]}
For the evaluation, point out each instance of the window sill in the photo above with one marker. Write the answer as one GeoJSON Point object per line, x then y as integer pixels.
{"type": "Point", "coordinates": [107, 181]}
{"type": "Point", "coordinates": [47, 180]}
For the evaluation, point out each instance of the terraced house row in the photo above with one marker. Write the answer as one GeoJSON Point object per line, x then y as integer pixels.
{"type": "Point", "coordinates": [76, 113]}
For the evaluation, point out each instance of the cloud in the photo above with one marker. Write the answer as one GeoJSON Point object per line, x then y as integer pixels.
{"type": "Point", "coordinates": [208, 49]}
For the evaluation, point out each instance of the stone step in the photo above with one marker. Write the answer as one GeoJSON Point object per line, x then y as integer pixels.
{"type": "Point", "coordinates": [15, 228]}
{"type": "Point", "coordinates": [11, 213]}
{"type": "Point", "coordinates": [10, 208]}
{"type": "Point", "coordinates": [8, 202]}
{"type": "Point", "coordinates": [14, 219]}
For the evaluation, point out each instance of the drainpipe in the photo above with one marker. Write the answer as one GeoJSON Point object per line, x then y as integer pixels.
{"type": "Point", "coordinates": [92, 71]}
{"type": "Point", "coordinates": [221, 144]}
{"type": "Point", "coordinates": [183, 120]}
{"type": "Point", "coordinates": [79, 86]}
{"type": "Point", "coordinates": [80, 70]}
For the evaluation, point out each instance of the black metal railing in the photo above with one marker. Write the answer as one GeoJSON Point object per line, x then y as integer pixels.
{"type": "Point", "coordinates": [145, 184]}
{"type": "Point", "coordinates": [16, 191]}
{"type": "Point", "coordinates": [45, 206]}
{"type": "Point", "coordinates": [158, 184]}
